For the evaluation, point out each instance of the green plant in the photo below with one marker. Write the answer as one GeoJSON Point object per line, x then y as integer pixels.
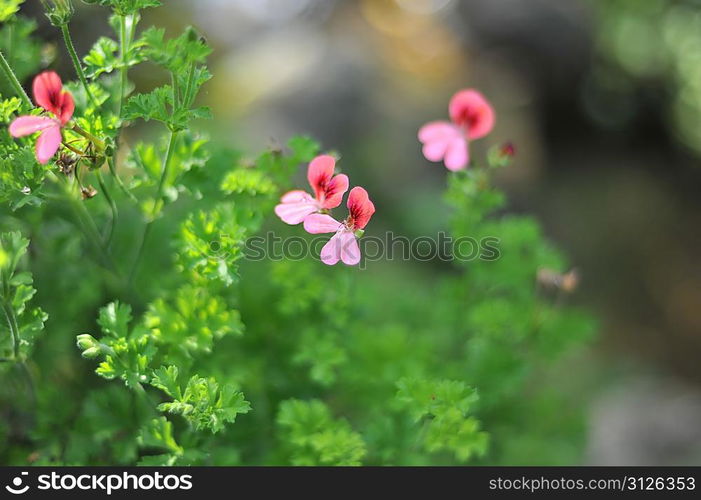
{"type": "Point", "coordinates": [204, 356]}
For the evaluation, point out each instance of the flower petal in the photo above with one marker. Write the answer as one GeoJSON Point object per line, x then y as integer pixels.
{"type": "Point", "coordinates": [294, 212]}
{"type": "Point", "coordinates": [321, 223]}
{"type": "Point", "coordinates": [66, 107]}
{"type": "Point", "coordinates": [334, 191]}
{"type": "Point", "coordinates": [48, 143]}
{"type": "Point", "coordinates": [457, 155]}
{"type": "Point", "coordinates": [331, 252]}
{"type": "Point", "coordinates": [436, 137]}
{"type": "Point", "coordinates": [350, 251]}
{"type": "Point", "coordinates": [296, 196]}
{"type": "Point", "coordinates": [320, 172]}
{"type": "Point", "coordinates": [469, 108]}
{"type": "Point", "coordinates": [47, 89]}
{"type": "Point", "coordinates": [437, 130]}
{"type": "Point", "coordinates": [27, 125]}
{"type": "Point", "coordinates": [360, 208]}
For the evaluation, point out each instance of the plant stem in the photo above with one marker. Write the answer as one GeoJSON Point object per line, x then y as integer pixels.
{"type": "Point", "coordinates": [12, 324]}
{"type": "Point", "coordinates": [14, 82]}
{"type": "Point", "coordinates": [113, 171]}
{"type": "Point", "coordinates": [123, 69]}
{"type": "Point", "coordinates": [99, 144]}
{"type": "Point", "coordinates": [111, 203]}
{"type": "Point", "coordinates": [164, 173]}
{"type": "Point", "coordinates": [75, 150]}
{"type": "Point", "coordinates": [88, 226]}
{"type": "Point", "coordinates": [76, 62]}
{"type": "Point", "coordinates": [156, 203]}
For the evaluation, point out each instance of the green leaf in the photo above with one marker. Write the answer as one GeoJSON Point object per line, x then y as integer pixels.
{"type": "Point", "coordinates": [8, 8]}
{"type": "Point", "coordinates": [21, 323]}
{"type": "Point", "coordinates": [155, 105]}
{"type": "Point", "coordinates": [444, 404]}
{"type": "Point", "coordinates": [102, 58]}
{"type": "Point", "coordinates": [114, 319]}
{"type": "Point", "coordinates": [206, 405]}
{"type": "Point", "coordinates": [165, 378]}
{"type": "Point", "coordinates": [189, 322]}
{"type": "Point", "coordinates": [210, 244]}
{"type": "Point", "coordinates": [248, 181]}
{"type": "Point", "coordinates": [125, 7]}
{"type": "Point", "coordinates": [313, 437]}
{"type": "Point", "coordinates": [21, 178]}
{"type": "Point", "coordinates": [158, 433]}
{"type": "Point", "coordinates": [175, 54]}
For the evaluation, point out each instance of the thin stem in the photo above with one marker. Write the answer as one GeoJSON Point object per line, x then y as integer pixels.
{"type": "Point", "coordinates": [14, 331]}
{"type": "Point", "coordinates": [113, 171]}
{"type": "Point", "coordinates": [123, 69]}
{"type": "Point", "coordinates": [99, 144]}
{"type": "Point", "coordinates": [75, 150]}
{"type": "Point", "coordinates": [12, 324]}
{"type": "Point", "coordinates": [88, 226]}
{"type": "Point", "coordinates": [14, 82]}
{"type": "Point", "coordinates": [76, 62]}
{"type": "Point", "coordinates": [164, 173]}
{"type": "Point", "coordinates": [111, 203]}
{"type": "Point", "coordinates": [156, 202]}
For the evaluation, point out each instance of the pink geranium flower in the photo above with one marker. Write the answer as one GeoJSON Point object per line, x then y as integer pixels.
{"type": "Point", "coordinates": [471, 117]}
{"type": "Point", "coordinates": [343, 245]}
{"type": "Point", "coordinates": [49, 94]}
{"type": "Point", "coordinates": [328, 192]}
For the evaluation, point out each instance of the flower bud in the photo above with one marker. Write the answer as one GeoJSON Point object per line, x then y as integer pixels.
{"type": "Point", "coordinates": [91, 353]}
{"type": "Point", "coordinates": [86, 341]}
{"type": "Point", "coordinates": [59, 12]}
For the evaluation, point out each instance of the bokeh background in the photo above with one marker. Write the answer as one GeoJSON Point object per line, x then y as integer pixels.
{"type": "Point", "coordinates": [603, 102]}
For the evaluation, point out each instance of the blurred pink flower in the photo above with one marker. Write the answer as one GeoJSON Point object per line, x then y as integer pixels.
{"type": "Point", "coordinates": [343, 245]}
{"type": "Point", "coordinates": [49, 94]}
{"type": "Point", "coordinates": [328, 192]}
{"type": "Point", "coordinates": [472, 118]}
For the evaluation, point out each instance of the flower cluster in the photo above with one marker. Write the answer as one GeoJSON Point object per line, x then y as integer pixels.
{"type": "Point", "coordinates": [50, 95]}
{"type": "Point", "coordinates": [300, 207]}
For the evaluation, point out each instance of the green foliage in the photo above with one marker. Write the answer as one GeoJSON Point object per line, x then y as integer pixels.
{"type": "Point", "coordinates": [21, 178]}
{"type": "Point", "coordinates": [139, 240]}
{"type": "Point", "coordinates": [444, 405]}
{"type": "Point", "coordinates": [8, 8]}
{"type": "Point", "coordinates": [21, 49]}
{"type": "Point", "coordinates": [102, 58]}
{"type": "Point", "coordinates": [211, 243]}
{"type": "Point", "coordinates": [314, 437]}
{"type": "Point", "coordinates": [126, 7]}
{"type": "Point", "coordinates": [203, 403]}
{"type": "Point", "coordinates": [22, 321]}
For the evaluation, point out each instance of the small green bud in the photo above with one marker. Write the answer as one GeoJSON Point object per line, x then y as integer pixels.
{"type": "Point", "coordinates": [86, 341]}
{"type": "Point", "coordinates": [91, 353]}
{"type": "Point", "coordinates": [359, 233]}
{"type": "Point", "coordinates": [59, 12]}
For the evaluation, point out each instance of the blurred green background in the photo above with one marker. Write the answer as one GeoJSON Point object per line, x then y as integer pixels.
{"type": "Point", "coordinates": [603, 102]}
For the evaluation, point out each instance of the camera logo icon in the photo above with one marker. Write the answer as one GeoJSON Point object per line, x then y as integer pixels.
{"type": "Point", "coordinates": [16, 487]}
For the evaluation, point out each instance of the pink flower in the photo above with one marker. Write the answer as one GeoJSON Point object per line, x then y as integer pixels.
{"type": "Point", "coordinates": [343, 245]}
{"type": "Point", "coordinates": [472, 117]}
{"type": "Point", "coordinates": [49, 94]}
{"type": "Point", "coordinates": [328, 192]}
